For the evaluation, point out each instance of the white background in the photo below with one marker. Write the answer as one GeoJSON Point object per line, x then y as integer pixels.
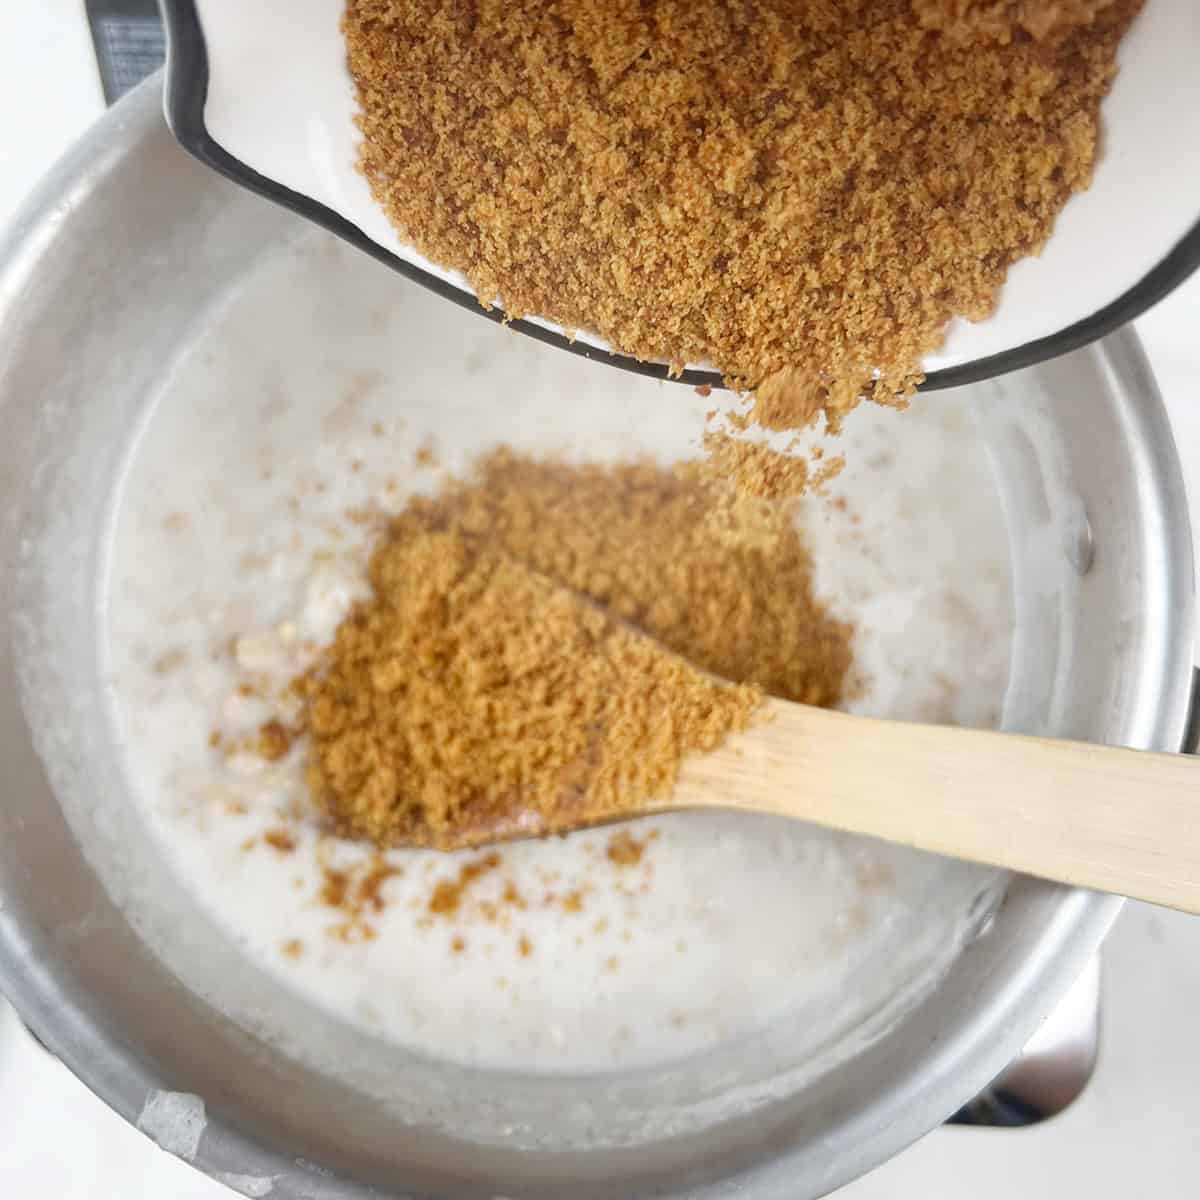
{"type": "Point", "coordinates": [1132, 1133]}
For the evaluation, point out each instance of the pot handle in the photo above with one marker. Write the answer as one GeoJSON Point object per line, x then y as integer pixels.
{"type": "Point", "coordinates": [129, 41]}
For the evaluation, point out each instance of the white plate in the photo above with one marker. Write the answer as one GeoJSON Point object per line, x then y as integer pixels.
{"type": "Point", "coordinates": [261, 92]}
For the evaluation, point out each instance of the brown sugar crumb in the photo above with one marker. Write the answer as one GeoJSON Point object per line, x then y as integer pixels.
{"type": "Point", "coordinates": [426, 455]}
{"type": "Point", "coordinates": [335, 886]}
{"type": "Point", "coordinates": [448, 894]}
{"type": "Point", "coordinates": [378, 873]}
{"type": "Point", "coordinates": [573, 902]}
{"type": "Point", "coordinates": [457, 945]}
{"type": "Point", "coordinates": [274, 741]}
{"type": "Point", "coordinates": [293, 948]}
{"type": "Point", "coordinates": [353, 932]}
{"type": "Point", "coordinates": [473, 696]}
{"type": "Point", "coordinates": [511, 895]}
{"type": "Point", "coordinates": [624, 850]}
{"type": "Point", "coordinates": [249, 844]}
{"type": "Point", "coordinates": [762, 186]}
{"type": "Point", "coordinates": [214, 738]}
{"type": "Point", "coordinates": [280, 839]}
{"type": "Point", "coordinates": [356, 891]}
{"type": "Point", "coordinates": [524, 946]}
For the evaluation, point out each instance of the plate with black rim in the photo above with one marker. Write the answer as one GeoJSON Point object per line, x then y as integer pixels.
{"type": "Point", "coordinates": [262, 94]}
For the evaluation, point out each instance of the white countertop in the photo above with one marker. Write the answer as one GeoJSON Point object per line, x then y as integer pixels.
{"type": "Point", "coordinates": [1132, 1131]}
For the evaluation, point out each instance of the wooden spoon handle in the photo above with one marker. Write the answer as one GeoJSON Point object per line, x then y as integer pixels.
{"type": "Point", "coordinates": [1124, 821]}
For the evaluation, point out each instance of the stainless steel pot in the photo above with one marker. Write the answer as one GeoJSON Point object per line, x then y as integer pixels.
{"type": "Point", "coordinates": [100, 280]}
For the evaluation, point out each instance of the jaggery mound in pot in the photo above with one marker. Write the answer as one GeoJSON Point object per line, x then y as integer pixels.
{"type": "Point", "coordinates": [497, 682]}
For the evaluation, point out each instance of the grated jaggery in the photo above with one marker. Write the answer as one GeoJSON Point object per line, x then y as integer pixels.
{"type": "Point", "coordinates": [772, 186]}
{"type": "Point", "coordinates": [755, 469]}
{"type": "Point", "coordinates": [474, 699]}
{"type": "Point", "coordinates": [635, 539]}
{"type": "Point", "coordinates": [494, 685]}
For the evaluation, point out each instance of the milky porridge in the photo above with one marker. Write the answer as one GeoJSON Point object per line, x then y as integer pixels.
{"type": "Point", "coordinates": [324, 392]}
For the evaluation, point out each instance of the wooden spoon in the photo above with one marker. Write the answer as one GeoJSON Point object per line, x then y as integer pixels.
{"type": "Point", "coordinates": [1101, 817]}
